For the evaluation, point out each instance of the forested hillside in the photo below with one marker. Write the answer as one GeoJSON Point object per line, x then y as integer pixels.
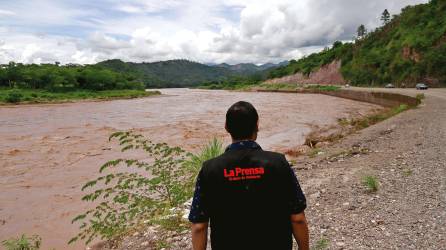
{"type": "Point", "coordinates": [408, 48]}
{"type": "Point", "coordinates": [173, 73]}
{"type": "Point", "coordinates": [250, 68]}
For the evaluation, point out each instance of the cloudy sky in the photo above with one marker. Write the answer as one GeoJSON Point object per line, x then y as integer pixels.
{"type": "Point", "coordinates": [232, 31]}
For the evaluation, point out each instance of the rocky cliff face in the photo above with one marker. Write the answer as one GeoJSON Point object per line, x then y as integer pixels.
{"type": "Point", "coordinates": [327, 75]}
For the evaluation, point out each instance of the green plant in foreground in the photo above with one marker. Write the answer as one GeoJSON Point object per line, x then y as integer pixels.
{"type": "Point", "coordinates": [23, 243]}
{"type": "Point", "coordinates": [321, 244]}
{"type": "Point", "coordinates": [145, 192]}
{"type": "Point", "coordinates": [371, 183]}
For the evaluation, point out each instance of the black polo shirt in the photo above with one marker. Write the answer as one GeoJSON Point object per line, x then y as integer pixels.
{"type": "Point", "coordinates": [248, 195]}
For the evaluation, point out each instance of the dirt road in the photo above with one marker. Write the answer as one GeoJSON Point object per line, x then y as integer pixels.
{"type": "Point", "coordinates": [47, 152]}
{"type": "Point", "coordinates": [407, 156]}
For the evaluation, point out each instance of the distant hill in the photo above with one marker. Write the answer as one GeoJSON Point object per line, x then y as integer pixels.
{"type": "Point", "coordinates": [408, 49]}
{"type": "Point", "coordinates": [183, 73]}
{"type": "Point", "coordinates": [173, 73]}
{"type": "Point", "coordinates": [250, 68]}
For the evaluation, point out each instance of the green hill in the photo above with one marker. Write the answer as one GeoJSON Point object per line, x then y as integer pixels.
{"type": "Point", "coordinates": [173, 73]}
{"type": "Point", "coordinates": [250, 68]}
{"type": "Point", "coordinates": [408, 49]}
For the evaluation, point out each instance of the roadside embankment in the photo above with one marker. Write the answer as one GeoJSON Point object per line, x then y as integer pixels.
{"type": "Point", "coordinates": [385, 99]}
{"type": "Point", "coordinates": [392, 103]}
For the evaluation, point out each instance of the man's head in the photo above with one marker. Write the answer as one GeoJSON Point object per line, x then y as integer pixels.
{"type": "Point", "coordinates": [242, 121]}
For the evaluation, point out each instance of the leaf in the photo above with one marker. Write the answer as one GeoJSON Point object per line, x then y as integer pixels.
{"type": "Point", "coordinates": [72, 240]}
{"type": "Point", "coordinates": [116, 134]}
{"type": "Point", "coordinates": [89, 184]}
{"type": "Point", "coordinates": [128, 147]}
{"type": "Point", "coordinates": [79, 217]}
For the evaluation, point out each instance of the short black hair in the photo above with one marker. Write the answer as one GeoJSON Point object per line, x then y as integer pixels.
{"type": "Point", "coordinates": [241, 120]}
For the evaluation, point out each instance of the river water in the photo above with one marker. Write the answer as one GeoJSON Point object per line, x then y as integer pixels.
{"type": "Point", "coordinates": [47, 152]}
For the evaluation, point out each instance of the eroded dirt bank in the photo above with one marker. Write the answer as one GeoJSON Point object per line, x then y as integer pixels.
{"type": "Point", "coordinates": [47, 152]}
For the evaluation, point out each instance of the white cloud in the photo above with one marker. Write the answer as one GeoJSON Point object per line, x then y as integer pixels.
{"type": "Point", "coordinates": [6, 13]}
{"type": "Point", "coordinates": [208, 31]}
{"type": "Point", "coordinates": [147, 6]}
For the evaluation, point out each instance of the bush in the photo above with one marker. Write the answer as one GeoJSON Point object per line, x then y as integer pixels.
{"type": "Point", "coordinates": [23, 243]}
{"type": "Point", "coordinates": [371, 183]}
{"type": "Point", "coordinates": [14, 97]}
{"type": "Point", "coordinates": [146, 193]}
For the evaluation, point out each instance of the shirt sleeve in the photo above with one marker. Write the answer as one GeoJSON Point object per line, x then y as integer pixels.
{"type": "Point", "coordinates": [198, 212]}
{"type": "Point", "coordinates": [296, 198]}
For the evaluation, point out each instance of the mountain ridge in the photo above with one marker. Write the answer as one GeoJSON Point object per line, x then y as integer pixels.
{"type": "Point", "coordinates": [183, 73]}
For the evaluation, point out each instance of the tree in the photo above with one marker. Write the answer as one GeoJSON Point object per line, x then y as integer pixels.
{"type": "Point", "coordinates": [385, 17]}
{"type": "Point", "coordinates": [362, 31]}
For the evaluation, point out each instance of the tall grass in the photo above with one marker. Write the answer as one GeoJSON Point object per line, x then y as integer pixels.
{"type": "Point", "coordinates": [213, 149]}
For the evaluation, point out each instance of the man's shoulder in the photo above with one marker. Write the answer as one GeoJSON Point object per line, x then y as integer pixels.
{"type": "Point", "coordinates": [273, 155]}
{"type": "Point", "coordinates": [263, 155]}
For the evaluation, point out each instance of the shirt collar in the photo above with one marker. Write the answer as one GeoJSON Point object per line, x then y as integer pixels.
{"type": "Point", "coordinates": [243, 145]}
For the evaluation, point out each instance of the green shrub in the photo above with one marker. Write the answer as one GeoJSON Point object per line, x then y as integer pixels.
{"type": "Point", "coordinates": [23, 243]}
{"type": "Point", "coordinates": [371, 183]}
{"type": "Point", "coordinates": [145, 193]}
{"type": "Point", "coordinates": [14, 96]}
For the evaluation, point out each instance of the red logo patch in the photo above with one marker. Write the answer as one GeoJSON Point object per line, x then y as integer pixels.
{"type": "Point", "coordinates": [238, 174]}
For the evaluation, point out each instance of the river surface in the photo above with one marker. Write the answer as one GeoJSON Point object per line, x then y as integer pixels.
{"type": "Point", "coordinates": [47, 152]}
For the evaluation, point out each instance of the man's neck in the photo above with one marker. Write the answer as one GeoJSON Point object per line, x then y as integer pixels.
{"type": "Point", "coordinates": [235, 141]}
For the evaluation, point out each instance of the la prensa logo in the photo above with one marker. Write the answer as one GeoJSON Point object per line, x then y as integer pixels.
{"type": "Point", "coordinates": [238, 173]}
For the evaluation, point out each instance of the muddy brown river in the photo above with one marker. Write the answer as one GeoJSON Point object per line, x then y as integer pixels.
{"type": "Point", "coordinates": [47, 152]}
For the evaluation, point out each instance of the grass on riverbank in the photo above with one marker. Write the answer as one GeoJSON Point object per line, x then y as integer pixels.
{"type": "Point", "coordinates": [16, 96]}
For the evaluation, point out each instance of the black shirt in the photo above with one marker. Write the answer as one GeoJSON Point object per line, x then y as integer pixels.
{"type": "Point", "coordinates": [248, 195]}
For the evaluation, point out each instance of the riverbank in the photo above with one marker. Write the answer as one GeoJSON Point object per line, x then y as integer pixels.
{"type": "Point", "coordinates": [33, 96]}
{"type": "Point", "coordinates": [405, 159]}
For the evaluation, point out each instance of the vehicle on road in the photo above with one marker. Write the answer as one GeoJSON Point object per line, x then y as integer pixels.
{"type": "Point", "coordinates": [421, 86]}
{"type": "Point", "coordinates": [389, 86]}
